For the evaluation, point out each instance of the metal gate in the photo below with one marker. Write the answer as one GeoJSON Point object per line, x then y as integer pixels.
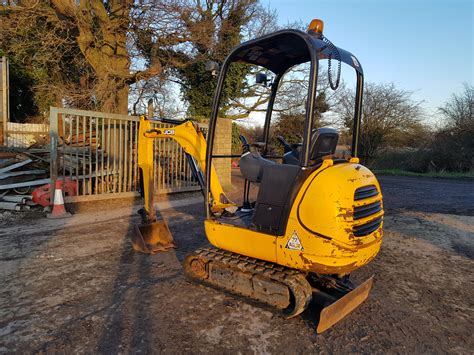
{"type": "Point", "coordinates": [99, 151]}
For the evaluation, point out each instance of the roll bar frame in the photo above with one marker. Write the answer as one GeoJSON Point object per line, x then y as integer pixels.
{"type": "Point", "coordinates": [317, 49]}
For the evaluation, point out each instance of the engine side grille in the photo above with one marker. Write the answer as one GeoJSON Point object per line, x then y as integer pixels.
{"type": "Point", "coordinates": [364, 229]}
{"type": "Point", "coordinates": [365, 192]}
{"type": "Point", "coordinates": [367, 210]}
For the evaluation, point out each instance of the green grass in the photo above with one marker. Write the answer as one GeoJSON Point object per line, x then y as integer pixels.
{"type": "Point", "coordinates": [441, 174]}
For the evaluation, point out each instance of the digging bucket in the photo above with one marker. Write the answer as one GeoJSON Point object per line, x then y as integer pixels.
{"type": "Point", "coordinates": [152, 238]}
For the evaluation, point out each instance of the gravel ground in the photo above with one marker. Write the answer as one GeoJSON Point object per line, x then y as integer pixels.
{"type": "Point", "coordinates": [75, 285]}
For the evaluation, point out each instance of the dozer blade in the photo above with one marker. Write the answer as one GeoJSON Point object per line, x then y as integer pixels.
{"type": "Point", "coordinates": [340, 308]}
{"type": "Point", "coordinates": [152, 238]}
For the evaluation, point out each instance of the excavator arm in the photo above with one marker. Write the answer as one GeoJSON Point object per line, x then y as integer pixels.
{"type": "Point", "coordinates": [192, 140]}
{"type": "Point", "coordinates": [153, 236]}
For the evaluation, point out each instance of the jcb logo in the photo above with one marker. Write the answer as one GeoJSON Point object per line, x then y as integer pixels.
{"type": "Point", "coordinates": [169, 132]}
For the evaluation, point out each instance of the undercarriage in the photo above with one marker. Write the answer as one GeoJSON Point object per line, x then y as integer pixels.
{"type": "Point", "coordinates": [287, 290]}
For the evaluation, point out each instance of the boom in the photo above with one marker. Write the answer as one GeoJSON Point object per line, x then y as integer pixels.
{"type": "Point", "coordinates": [192, 140]}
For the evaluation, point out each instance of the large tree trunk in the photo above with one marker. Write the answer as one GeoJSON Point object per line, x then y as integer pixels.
{"type": "Point", "coordinates": [105, 48]}
{"type": "Point", "coordinates": [112, 96]}
{"type": "Point", "coordinates": [102, 39]}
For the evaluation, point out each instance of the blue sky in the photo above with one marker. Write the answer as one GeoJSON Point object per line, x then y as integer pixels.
{"type": "Point", "coordinates": [422, 46]}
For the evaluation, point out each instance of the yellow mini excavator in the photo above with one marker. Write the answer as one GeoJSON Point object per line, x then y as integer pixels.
{"type": "Point", "coordinates": [316, 218]}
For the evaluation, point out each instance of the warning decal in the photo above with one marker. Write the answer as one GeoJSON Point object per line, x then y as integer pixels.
{"type": "Point", "coordinates": [294, 242]}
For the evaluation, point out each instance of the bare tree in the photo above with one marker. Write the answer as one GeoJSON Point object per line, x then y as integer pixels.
{"type": "Point", "coordinates": [186, 34]}
{"type": "Point", "coordinates": [387, 112]}
{"type": "Point", "coordinates": [453, 145]}
{"type": "Point", "coordinates": [110, 45]}
{"type": "Point", "coordinates": [89, 54]}
{"type": "Point", "coordinates": [90, 35]}
{"type": "Point", "coordinates": [163, 93]}
{"type": "Point", "coordinates": [459, 110]}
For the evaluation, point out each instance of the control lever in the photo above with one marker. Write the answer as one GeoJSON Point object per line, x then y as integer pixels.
{"type": "Point", "coordinates": [286, 146]}
{"type": "Point", "coordinates": [245, 144]}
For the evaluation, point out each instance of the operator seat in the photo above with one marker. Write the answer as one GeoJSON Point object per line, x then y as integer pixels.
{"type": "Point", "coordinates": [252, 165]}
{"type": "Point", "coordinates": [323, 143]}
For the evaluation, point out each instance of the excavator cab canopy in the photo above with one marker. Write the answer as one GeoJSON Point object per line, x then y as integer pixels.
{"type": "Point", "coordinates": [279, 52]}
{"type": "Point", "coordinates": [284, 49]}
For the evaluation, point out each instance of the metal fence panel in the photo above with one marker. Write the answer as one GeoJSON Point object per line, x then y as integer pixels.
{"type": "Point", "coordinates": [99, 151]}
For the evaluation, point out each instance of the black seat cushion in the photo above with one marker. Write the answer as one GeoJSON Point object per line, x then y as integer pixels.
{"type": "Point", "coordinates": [323, 143]}
{"type": "Point", "coordinates": [252, 165]}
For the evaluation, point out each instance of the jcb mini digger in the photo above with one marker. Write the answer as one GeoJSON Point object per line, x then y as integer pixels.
{"type": "Point", "coordinates": [316, 218]}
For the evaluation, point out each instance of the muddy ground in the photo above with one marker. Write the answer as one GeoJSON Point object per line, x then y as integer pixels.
{"type": "Point", "coordinates": [75, 285]}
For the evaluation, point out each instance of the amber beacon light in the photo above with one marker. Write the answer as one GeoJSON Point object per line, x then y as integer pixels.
{"type": "Point", "coordinates": [316, 26]}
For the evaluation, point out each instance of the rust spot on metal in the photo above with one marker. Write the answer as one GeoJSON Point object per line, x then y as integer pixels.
{"type": "Point", "coordinates": [326, 269]}
{"type": "Point", "coordinates": [345, 213]}
{"type": "Point", "coordinates": [348, 230]}
{"type": "Point", "coordinates": [321, 268]}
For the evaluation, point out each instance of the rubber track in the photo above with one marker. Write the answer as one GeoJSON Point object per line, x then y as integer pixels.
{"type": "Point", "coordinates": [293, 279]}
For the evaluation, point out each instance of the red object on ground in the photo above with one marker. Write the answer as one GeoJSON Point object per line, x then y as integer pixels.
{"type": "Point", "coordinates": [58, 211]}
{"type": "Point", "coordinates": [42, 195]}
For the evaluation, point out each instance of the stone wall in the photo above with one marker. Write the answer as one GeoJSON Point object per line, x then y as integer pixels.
{"type": "Point", "coordinates": [223, 145]}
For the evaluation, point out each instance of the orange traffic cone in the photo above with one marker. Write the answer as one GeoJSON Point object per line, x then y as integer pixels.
{"type": "Point", "coordinates": [58, 206]}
